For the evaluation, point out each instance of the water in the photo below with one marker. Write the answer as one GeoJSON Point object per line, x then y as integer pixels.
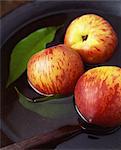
{"type": "Point", "coordinates": [24, 123]}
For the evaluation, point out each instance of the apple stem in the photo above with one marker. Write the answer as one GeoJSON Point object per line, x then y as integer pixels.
{"type": "Point", "coordinates": [84, 37]}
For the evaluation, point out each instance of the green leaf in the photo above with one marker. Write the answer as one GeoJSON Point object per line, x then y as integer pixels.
{"type": "Point", "coordinates": [28, 46]}
{"type": "Point", "coordinates": [55, 108]}
{"type": "Point", "coordinates": [47, 98]}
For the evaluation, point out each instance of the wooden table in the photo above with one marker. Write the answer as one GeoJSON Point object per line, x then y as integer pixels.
{"type": "Point", "coordinates": [9, 5]}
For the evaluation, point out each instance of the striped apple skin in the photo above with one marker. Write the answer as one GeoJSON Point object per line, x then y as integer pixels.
{"type": "Point", "coordinates": [55, 70]}
{"type": "Point", "coordinates": [101, 39]}
{"type": "Point", "coordinates": [98, 96]}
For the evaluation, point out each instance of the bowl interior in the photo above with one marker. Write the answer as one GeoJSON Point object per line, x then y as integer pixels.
{"type": "Point", "coordinates": [20, 123]}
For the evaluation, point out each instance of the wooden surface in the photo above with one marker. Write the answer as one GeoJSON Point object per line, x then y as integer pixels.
{"type": "Point", "coordinates": [4, 140]}
{"type": "Point", "coordinates": [9, 5]}
{"type": "Point", "coordinates": [48, 140]}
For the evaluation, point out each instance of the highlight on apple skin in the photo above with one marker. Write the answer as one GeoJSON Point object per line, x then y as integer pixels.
{"type": "Point", "coordinates": [93, 37]}
{"type": "Point", "coordinates": [55, 70]}
{"type": "Point", "coordinates": [98, 96]}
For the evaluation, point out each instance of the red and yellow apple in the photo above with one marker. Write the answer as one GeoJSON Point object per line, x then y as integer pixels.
{"type": "Point", "coordinates": [55, 70]}
{"type": "Point", "coordinates": [98, 96]}
{"type": "Point", "coordinates": [93, 37]}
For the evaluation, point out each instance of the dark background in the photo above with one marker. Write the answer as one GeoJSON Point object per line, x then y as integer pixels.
{"type": "Point", "coordinates": [9, 5]}
{"type": "Point", "coordinates": [6, 7]}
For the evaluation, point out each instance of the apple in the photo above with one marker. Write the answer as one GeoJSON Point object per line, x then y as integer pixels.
{"type": "Point", "coordinates": [93, 37]}
{"type": "Point", "coordinates": [54, 70]}
{"type": "Point", "coordinates": [98, 96]}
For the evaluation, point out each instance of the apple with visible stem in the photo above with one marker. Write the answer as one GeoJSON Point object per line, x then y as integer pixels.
{"type": "Point", "coordinates": [54, 70]}
{"type": "Point", "coordinates": [93, 37]}
{"type": "Point", "coordinates": [98, 96]}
